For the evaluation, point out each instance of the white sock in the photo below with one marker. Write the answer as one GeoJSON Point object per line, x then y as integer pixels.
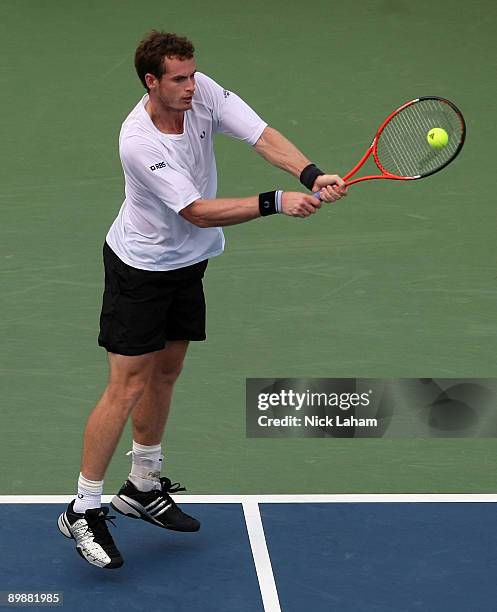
{"type": "Point", "coordinates": [89, 494]}
{"type": "Point", "coordinates": [146, 466]}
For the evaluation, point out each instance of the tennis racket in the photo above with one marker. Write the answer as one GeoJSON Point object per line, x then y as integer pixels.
{"type": "Point", "coordinates": [401, 149]}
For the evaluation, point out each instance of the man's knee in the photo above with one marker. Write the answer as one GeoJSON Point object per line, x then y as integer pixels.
{"type": "Point", "coordinates": [169, 363]}
{"type": "Point", "coordinates": [128, 392]}
{"type": "Point", "coordinates": [128, 380]}
{"type": "Point", "coordinates": [168, 373]}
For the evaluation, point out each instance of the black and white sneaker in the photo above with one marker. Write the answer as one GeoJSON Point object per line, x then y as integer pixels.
{"type": "Point", "coordinates": [156, 507]}
{"type": "Point", "coordinates": [93, 540]}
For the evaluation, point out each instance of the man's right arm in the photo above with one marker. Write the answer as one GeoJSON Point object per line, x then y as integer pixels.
{"type": "Point", "coordinates": [232, 211]}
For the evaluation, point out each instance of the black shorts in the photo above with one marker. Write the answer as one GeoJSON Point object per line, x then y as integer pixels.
{"type": "Point", "coordinates": [142, 309]}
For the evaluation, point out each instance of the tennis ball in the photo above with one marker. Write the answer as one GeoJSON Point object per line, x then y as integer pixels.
{"type": "Point", "coordinates": [437, 138]}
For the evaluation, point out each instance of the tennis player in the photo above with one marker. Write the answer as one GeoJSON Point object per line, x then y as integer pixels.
{"type": "Point", "coordinates": [155, 256]}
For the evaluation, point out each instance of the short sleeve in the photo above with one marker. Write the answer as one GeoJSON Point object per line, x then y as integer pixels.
{"type": "Point", "coordinates": [146, 168]}
{"type": "Point", "coordinates": [232, 116]}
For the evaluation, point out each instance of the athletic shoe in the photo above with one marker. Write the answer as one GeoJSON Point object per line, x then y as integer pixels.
{"type": "Point", "coordinates": [156, 507]}
{"type": "Point", "coordinates": [93, 540]}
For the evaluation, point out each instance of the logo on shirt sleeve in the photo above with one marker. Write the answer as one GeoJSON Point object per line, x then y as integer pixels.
{"type": "Point", "coordinates": [226, 93]}
{"type": "Point", "coordinates": [158, 166]}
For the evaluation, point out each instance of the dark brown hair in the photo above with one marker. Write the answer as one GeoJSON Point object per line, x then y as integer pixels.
{"type": "Point", "coordinates": [150, 54]}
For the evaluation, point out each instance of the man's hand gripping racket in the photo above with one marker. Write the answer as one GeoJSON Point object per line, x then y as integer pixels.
{"type": "Point", "coordinates": [418, 139]}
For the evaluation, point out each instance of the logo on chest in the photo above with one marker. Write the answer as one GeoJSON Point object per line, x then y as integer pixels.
{"type": "Point", "coordinates": [158, 166]}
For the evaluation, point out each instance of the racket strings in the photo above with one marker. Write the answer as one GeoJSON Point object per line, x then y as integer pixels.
{"type": "Point", "coordinates": [403, 149]}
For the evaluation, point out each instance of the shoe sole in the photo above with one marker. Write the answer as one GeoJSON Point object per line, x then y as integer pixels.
{"type": "Point", "coordinates": [124, 507]}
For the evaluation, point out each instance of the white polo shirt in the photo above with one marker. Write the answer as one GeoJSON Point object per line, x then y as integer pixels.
{"type": "Point", "coordinates": [164, 173]}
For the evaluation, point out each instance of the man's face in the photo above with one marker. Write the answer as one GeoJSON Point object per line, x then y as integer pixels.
{"type": "Point", "coordinates": [176, 86]}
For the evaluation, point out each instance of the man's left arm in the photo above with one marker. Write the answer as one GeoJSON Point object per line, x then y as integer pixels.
{"type": "Point", "coordinates": [280, 152]}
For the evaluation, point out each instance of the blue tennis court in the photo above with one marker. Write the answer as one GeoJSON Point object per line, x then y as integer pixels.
{"type": "Point", "coordinates": [321, 557]}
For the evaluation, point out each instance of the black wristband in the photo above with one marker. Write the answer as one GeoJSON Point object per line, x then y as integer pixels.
{"type": "Point", "coordinates": [309, 174]}
{"type": "Point", "coordinates": [267, 203]}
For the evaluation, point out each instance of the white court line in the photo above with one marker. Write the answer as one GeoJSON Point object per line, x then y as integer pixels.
{"type": "Point", "coordinates": [261, 557]}
{"type": "Point", "coordinates": [355, 498]}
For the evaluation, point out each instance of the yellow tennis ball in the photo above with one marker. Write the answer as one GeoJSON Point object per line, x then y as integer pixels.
{"type": "Point", "coordinates": [437, 138]}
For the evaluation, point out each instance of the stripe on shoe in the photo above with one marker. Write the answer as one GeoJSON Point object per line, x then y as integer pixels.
{"type": "Point", "coordinates": [156, 502]}
{"type": "Point", "coordinates": [159, 507]}
{"type": "Point", "coordinates": [156, 514]}
{"type": "Point", "coordinates": [139, 508]}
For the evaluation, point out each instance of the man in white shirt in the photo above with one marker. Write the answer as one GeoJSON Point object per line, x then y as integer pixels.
{"type": "Point", "coordinates": [155, 256]}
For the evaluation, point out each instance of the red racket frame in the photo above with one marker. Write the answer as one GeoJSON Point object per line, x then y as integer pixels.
{"type": "Point", "coordinates": [373, 148]}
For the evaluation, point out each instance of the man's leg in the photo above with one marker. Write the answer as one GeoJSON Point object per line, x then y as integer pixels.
{"type": "Point", "coordinates": [127, 383]}
{"type": "Point", "coordinates": [143, 495]}
{"type": "Point", "coordinates": [84, 520]}
{"type": "Point", "coordinates": [149, 416]}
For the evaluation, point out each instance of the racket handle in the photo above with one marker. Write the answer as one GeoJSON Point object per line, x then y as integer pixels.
{"type": "Point", "coordinates": [316, 193]}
